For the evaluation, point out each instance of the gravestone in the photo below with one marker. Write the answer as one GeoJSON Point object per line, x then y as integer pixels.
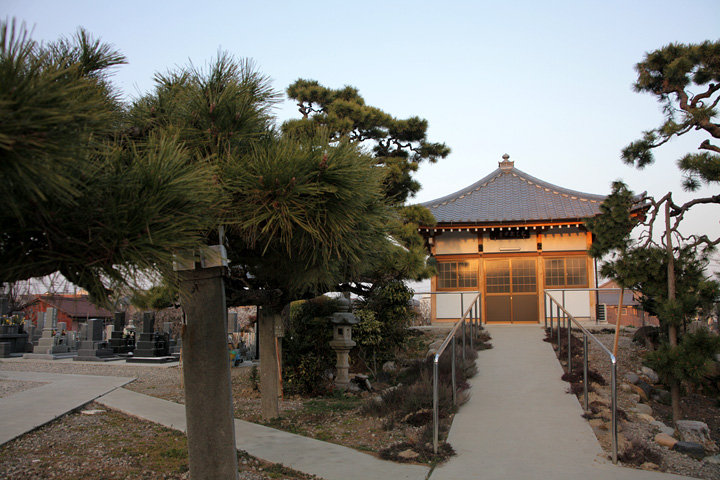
{"type": "Point", "coordinates": [92, 347]}
{"type": "Point", "coordinates": [37, 333]}
{"type": "Point", "coordinates": [233, 322]}
{"type": "Point", "coordinates": [174, 343]}
{"type": "Point", "coordinates": [121, 343]}
{"type": "Point", "coordinates": [30, 329]}
{"type": "Point", "coordinates": [14, 338]}
{"type": "Point", "coordinates": [52, 345]}
{"type": "Point", "coordinates": [151, 347]}
{"type": "Point", "coordinates": [49, 343]}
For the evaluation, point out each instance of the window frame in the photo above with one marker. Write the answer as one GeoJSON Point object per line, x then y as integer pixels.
{"type": "Point", "coordinates": [550, 273]}
{"type": "Point", "coordinates": [461, 275]}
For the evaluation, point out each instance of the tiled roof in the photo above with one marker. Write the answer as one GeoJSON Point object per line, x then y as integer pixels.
{"type": "Point", "coordinates": [75, 306]}
{"type": "Point", "coordinates": [511, 195]}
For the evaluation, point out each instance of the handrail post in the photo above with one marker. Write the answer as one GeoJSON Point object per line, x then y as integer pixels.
{"type": "Point", "coordinates": [472, 328]}
{"type": "Point", "coordinates": [551, 318]}
{"type": "Point", "coordinates": [558, 329]}
{"type": "Point", "coordinates": [454, 387]}
{"type": "Point", "coordinates": [463, 340]}
{"type": "Point", "coordinates": [569, 330]}
{"type": "Point", "coordinates": [613, 389]}
{"type": "Point", "coordinates": [545, 309]}
{"type": "Point", "coordinates": [436, 407]}
{"type": "Point", "coordinates": [585, 371]}
{"type": "Point", "coordinates": [462, 315]}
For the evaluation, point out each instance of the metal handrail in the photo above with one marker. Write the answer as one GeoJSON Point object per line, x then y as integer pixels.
{"type": "Point", "coordinates": [475, 324]}
{"type": "Point", "coordinates": [568, 318]}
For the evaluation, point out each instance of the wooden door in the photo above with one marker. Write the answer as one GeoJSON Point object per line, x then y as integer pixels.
{"type": "Point", "coordinates": [511, 290]}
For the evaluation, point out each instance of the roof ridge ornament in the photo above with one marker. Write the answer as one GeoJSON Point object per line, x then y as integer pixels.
{"type": "Point", "coordinates": [506, 165]}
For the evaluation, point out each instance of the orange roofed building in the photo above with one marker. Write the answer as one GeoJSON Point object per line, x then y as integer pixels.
{"type": "Point", "coordinates": [510, 236]}
{"type": "Point", "coordinates": [72, 309]}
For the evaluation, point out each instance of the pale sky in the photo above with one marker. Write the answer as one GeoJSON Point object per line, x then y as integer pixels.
{"type": "Point", "coordinates": [549, 83]}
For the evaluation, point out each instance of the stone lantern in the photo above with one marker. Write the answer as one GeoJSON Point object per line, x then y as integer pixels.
{"type": "Point", "coordinates": [342, 322]}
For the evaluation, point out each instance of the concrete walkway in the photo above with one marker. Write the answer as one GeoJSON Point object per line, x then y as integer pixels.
{"type": "Point", "coordinates": [27, 410]}
{"type": "Point", "coordinates": [520, 423]}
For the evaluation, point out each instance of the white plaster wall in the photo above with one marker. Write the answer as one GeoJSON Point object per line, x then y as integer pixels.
{"type": "Point", "coordinates": [577, 303]}
{"type": "Point", "coordinates": [448, 304]}
{"type": "Point", "coordinates": [509, 245]}
{"type": "Point", "coordinates": [456, 242]}
{"type": "Point", "coordinates": [564, 239]}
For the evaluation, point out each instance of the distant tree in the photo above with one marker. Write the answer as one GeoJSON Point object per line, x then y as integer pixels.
{"type": "Point", "coordinates": [399, 146]}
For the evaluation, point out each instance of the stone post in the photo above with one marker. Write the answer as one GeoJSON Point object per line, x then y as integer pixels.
{"type": "Point", "coordinates": [206, 372]}
{"type": "Point", "coordinates": [269, 372]}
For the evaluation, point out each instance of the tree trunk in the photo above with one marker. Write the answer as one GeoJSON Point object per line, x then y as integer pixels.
{"type": "Point", "coordinates": [269, 372]}
{"type": "Point", "coordinates": [617, 322]}
{"type": "Point", "coordinates": [672, 327]}
{"type": "Point", "coordinates": [206, 374]}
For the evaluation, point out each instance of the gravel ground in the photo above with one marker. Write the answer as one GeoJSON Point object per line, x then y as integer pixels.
{"type": "Point", "coordinates": [108, 444]}
{"type": "Point", "coordinates": [635, 433]}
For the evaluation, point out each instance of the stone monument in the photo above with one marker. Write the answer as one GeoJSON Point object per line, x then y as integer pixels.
{"type": "Point", "coordinates": [151, 347]}
{"type": "Point", "coordinates": [92, 347]}
{"type": "Point", "coordinates": [121, 344]}
{"type": "Point", "coordinates": [342, 342]}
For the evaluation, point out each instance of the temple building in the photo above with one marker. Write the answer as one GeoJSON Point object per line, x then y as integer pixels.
{"type": "Point", "coordinates": [509, 236]}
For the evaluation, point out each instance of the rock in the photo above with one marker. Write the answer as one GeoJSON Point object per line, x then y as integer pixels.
{"type": "Point", "coordinates": [353, 388]}
{"type": "Point", "coordinates": [643, 408]}
{"type": "Point", "coordinates": [389, 367]}
{"type": "Point", "coordinates": [650, 374]}
{"type": "Point", "coordinates": [408, 454]}
{"type": "Point", "coordinates": [639, 391]}
{"type": "Point", "coordinates": [715, 459]}
{"type": "Point", "coordinates": [663, 428]}
{"type": "Point", "coordinates": [646, 388]}
{"type": "Point", "coordinates": [691, 449]}
{"type": "Point", "coordinates": [632, 378]}
{"type": "Point", "coordinates": [665, 440]}
{"type": "Point", "coordinates": [598, 423]}
{"type": "Point", "coordinates": [649, 336]}
{"type": "Point", "coordinates": [645, 418]}
{"type": "Point", "coordinates": [696, 432]}
{"type": "Point", "coordinates": [624, 387]}
{"type": "Point", "coordinates": [649, 466]}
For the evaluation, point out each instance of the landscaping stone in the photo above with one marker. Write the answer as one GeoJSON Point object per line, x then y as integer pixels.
{"type": "Point", "coordinates": [643, 408]}
{"type": "Point", "coordinates": [639, 391]}
{"type": "Point", "coordinates": [665, 440]}
{"type": "Point", "coordinates": [646, 388]}
{"type": "Point", "coordinates": [662, 396]}
{"type": "Point", "coordinates": [646, 418]}
{"type": "Point", "coordinates": [649, 466]}
{"type": "Point", "coordinates": [650, 374]}
{"type": "Point", "coordinates": [715, 459]}
{"type": "Point", "coordinates": [696, 432]}
{"type": "Point", "coordinates": [409, 454]}
{"type": "Point", "coordinates": [625, 387]}
{"type": "Point", "coordinates": [691, 449]}
{"type": "Point", "coordinates": [663, 428]}
{"type": "Point", "coordinates": [389, 367]}
{"type": "Point", "coordinates": [632, 378]}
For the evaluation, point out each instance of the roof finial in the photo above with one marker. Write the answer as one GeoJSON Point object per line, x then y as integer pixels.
{"type": "Point", "coordinates": [506, 164]}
